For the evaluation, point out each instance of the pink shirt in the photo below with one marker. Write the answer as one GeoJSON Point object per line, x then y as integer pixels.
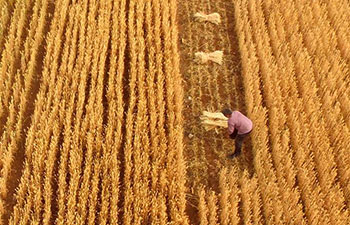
{"type": "Point", "coordinates": [240, 122]}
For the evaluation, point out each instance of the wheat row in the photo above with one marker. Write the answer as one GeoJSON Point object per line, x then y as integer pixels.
{"type": "Point", "coordinates": [104, 143]}
{"type": "Point", "coordinates": [295, 74]}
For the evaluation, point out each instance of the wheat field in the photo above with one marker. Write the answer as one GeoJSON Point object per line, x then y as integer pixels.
{"type": "Point", "coordinates": [101, 104]}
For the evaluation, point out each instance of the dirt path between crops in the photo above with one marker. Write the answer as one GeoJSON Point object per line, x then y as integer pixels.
{"type": "Point", "coordinates": [209, 87]}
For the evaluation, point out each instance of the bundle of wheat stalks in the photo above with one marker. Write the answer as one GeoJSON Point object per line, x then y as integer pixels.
{"type": "Point", "coordinates": [213, 17]}
{"type": "Point", "coordinates": [203, 57]}
{"type": "Point", "coordinates": [211, 120]}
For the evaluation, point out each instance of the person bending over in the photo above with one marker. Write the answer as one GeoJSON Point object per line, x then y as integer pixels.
{"type": "Point", "coordinates": [239, 127]}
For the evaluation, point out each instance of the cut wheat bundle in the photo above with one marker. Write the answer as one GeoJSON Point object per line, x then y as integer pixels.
{"type": "Point", "coordinates": [211, 120]}
{"type": "Point", "coordinates": [213, 17]}
{"type": "Point", "coordinates": [203, 57]}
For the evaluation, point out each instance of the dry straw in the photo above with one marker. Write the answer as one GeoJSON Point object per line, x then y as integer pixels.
{"type": "Point", "coordinates": [212, 120]}
{"type": "Point", "coordinates": [213, 17]}
{"type": "Point", "coordinates": [203, 57]}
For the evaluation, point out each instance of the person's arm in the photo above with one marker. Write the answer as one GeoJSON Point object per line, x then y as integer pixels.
{"type": "Point", "coordinates": [234, 134]}
{"type": "Point", "coordinates": [231, 129]}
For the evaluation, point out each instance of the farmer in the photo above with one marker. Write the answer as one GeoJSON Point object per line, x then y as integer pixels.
{"type": "Point", "coordinates": [239, 127]}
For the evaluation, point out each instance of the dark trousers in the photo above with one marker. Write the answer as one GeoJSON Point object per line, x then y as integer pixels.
{"type": "Point", "coordinates": [239, 142]}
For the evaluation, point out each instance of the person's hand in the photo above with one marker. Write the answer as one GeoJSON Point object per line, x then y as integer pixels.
{"type": "Point", "coordinates": [234, 134]}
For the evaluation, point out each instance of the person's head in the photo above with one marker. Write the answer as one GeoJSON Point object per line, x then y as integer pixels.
{"type": "Point", "coordinates": [226, 112]}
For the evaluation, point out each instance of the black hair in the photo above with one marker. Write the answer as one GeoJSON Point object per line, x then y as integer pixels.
{"type": "Point", "coordinates": [226, 112]}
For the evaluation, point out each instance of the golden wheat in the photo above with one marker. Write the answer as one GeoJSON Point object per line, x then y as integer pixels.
{"type": "Point", "coordinates": [276, 112]}
{"type": "Point", "coordinates": [258, 114]}
{"type": "Point", "coordinates": [90, 130]}
{"type": "Point", "coordinates": [93, 121]}
{"type": "Point", "coordinates": [202, 207]}
{"type": "Point", "coordinates": [235, 197]}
